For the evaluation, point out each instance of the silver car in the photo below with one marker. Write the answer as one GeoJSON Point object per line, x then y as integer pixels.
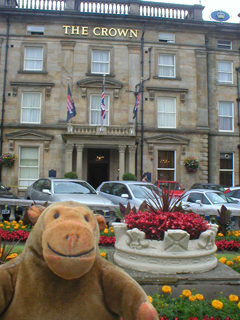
{"type": "Point", "coordinates": [134, 192]}
{"type": "Point", "coordinates": [54, 190]}
{"type": "Point", "coordinates": [207, 202]}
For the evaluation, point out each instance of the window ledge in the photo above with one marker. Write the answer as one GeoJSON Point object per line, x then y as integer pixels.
{"type": "Point", "coordinates": [16, 84]}
{"type": "Point", "coordinates": [32, 72]}
{"type": "Point", "coordinates": [226, 84]}
{"type": "Point", "coordinates": [168, 78]}
{"type": "Point", "coordinates": [99, 75]}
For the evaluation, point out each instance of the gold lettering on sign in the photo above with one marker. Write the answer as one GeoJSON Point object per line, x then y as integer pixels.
{"type": "Point", "coordinates": [85, 31]}
{"type": "Point", "coordinates": [75, 30]}
{"type": "Point", "coordinates": [104, 32]}
{"type": "Point", "coordinates": [132, 32]}
{"type": "Point", "coordinates": [95, 31]}
{"type": "Point", "coordinates": [66, 29]}
{"type": "Point", "coordinates": [112, 32]}
{"type": "Point", "coordinates": [123, 32]}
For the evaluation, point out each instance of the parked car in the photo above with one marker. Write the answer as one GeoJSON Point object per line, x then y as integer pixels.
{"type": "Point", "coordinates": [233, 192]}
{"type": "Point", "coordinates": [175, 188]}
{"type": "Point", "coordinates": [54, 190]}
{"type": "Point", "coordinates": [208, 186]}
{"type": "Point", "coordinates": [5, 192]}
{"type": "Point", "coordinates": [134, 192]}
{"type": "Point", "coordinates": [207, 202]}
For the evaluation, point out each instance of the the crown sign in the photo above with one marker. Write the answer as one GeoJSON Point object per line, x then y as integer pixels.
{"type": "Point", "coordinates": [220, 15]}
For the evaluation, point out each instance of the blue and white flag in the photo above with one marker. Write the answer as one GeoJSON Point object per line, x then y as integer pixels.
{"type": "Point", "coordinates": [135, 109]}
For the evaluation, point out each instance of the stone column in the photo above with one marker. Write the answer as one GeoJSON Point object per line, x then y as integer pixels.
{"type": "Point", "coordinates": [79, 160]}
{"type": "Point", "coordinates": [68, 157]}
{"type": "Point", "coordinates": [66, 72]}
{"type": "Point", "coordinates": [132, 150]}
{"type": "Point", "coordinates": [121, 161]}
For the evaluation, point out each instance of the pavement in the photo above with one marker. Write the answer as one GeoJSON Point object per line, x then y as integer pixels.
{"type": "Point", "coordinates": [221, 280]}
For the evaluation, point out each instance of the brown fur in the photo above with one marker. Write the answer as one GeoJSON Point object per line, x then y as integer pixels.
{"type": "Point", "coordinates": [60, 274]}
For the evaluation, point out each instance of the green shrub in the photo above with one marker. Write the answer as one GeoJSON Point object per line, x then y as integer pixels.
{"type": "Point", "coordinates": [129, 176]}
{"type": "Point", "coordinates": [70, 175]}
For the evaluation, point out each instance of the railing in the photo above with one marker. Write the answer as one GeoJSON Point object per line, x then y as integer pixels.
{"type": "Point", "coordinates": [104, 7]}
{"type": "Point", "coordinates": [25, 204]}
{"type": "Point", "coordinates": [51, 5]}
{"type": "Point", "coordinates": [111, 7]}
{"type": "Point", "coordinates": [95, 130]}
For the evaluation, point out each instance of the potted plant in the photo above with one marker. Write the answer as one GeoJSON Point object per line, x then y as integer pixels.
{"type": "Point", "coordinates": [7, 159]}
{"type": "Point", "coordinates": [191, 164]}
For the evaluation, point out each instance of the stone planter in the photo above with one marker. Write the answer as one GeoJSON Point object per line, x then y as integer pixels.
{"type": "Point", "coordinates": [175, 254]}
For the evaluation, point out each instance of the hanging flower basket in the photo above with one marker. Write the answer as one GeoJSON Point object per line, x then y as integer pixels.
{"type": "Point", "coordinates": [7, 160]}
{"type": "Point", "coordinates": [191, 164]}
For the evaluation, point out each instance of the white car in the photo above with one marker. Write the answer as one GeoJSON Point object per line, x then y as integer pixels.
{"type": "Point", "coordinates": [207, 202]}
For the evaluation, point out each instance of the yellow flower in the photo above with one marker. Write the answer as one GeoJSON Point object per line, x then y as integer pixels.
{"type": "Point", "coordinates": [1, 225]}
{"type": "Point", "coordinates": [20, 222]}
{"type": "Point", "coordinates": [223, 260]}
{"type": "Point", "coordinates": [105, 230]}
{"type": "Point", "coordinates": [192, 298]}
{"type": "Point", "coordinates": [11, 256]}
{"type": "Point", "coordinates": [1, 249]}
{"type": "Point", "coordinates": [23, 227]}
{"type": "Point", "coordinates": [150, 299]}
{"type": "Point", "coordinates": [238, 305]}
{"type": "Point", "coordinates": [166, 289]}
{"type": "Point", "coordinates": [14, 222]}
{"type": "Point", "coordinates": [233, 298]}
{"type": "Point", "coordinates": [7, 227]}
{"type": "Point", "coordinates": [16, 227]}
{"type": "Point", "coordinates": [217, 304]}
{"type": "Point", "coordinates": [199, 297]}
{"type": "Point", "coordinates": [186, 293]}
{"type": "Point", "coordinates": [220, 234]}
{"type": "Point", "coordinates": [103, 254]}
{"type": "Point", "coordinates": [229, 263]}
{"type": "Point", "coordinates": [111, 230]}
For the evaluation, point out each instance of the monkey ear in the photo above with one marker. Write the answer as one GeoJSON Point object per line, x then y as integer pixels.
{"type": "Point", "coordinates": [101, 221]}
{"type": "Point", "coordinates": [34, 213]}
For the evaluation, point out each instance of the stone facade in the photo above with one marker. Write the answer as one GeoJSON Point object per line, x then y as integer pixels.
{"type": "Point", "coordinates": [135, 36]}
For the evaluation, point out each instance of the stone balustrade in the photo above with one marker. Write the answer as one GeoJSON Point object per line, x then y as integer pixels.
{"type": "Point", "coordinates": [98, 130]}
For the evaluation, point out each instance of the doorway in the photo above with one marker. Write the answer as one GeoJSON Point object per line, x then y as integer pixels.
{"type": "Point", "coordinates": [98, 166]}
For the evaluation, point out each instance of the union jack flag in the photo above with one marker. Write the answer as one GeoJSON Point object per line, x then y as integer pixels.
{"type": "Point", "coordinates": [135, 109]}
{"type": "Point", "coordinates": [71, 110]}
{"type": "Point", "coordinates": [103, 109]}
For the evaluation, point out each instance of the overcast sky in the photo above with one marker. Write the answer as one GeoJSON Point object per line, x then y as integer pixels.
{"type": "Point", "coordinates": [232, 7]}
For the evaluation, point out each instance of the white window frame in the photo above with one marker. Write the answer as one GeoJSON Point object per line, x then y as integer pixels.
{"type": "Point", "coordinates": [165, 65]}
{"type": "Point", "coordinates": [106, 120]}
{"type": "Point", "coordinates": [100, 62]}
{"type": "Point", "coordinates": [167, 169]}
{"type": "Point", "coordinates": [225, 72]}
{"type": "Point", "coordinates": [228, 170]}
{"type": "Point", "coordinates": [166, 37]}
{"type": "Point", "coordinates": [165, 113]}
{"type": "Point", "coordinates": [36, 108]}
{"type": "Point", "coordinates": [222, 44]}
{"type": "Point", "coordinates": [34, 59]}
{"type": "Point", "coordinates": [226, 116]}
{"type": "Point", "coordinates": [30, 180]}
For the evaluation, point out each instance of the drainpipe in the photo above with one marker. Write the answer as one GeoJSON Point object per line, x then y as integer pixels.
{"type": "Point", "coordinates": [142, 100]}
{"type": "Point", "coordinates": [238, 102]}
{"type": "Point", "coordinates": [3, 94]}
{"type": "Point", "coordinates": [208, 99]}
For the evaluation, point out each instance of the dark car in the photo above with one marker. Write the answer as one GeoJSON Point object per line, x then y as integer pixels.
{"type": "Point", "coordinates": [208, 186]}
{"type": "Point", "coordinates": [4, 192]}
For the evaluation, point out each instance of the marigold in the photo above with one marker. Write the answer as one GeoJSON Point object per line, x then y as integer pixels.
{"type": "Point", "coordinates": [1, 225]}
{"type": "Point", "coordinates": [150, 299]}
{"type": "Point", "coordinates": [192, 298]}
{"type": "Point", "coordinates": [233, 298]}
{"type": "Point", "coordinates": [11, 256]}
{"type": "Point", "coordinates": [229, 263]}
{"type": "Point", "coordinates": [105, 230]}
{"type": "Point", "coordinates": [186, 293]}
{"type": "Point", "coordinates": [220, 234]}
{"type": "Point", "coordinates": [16, 227]}
{"type": "Point", "coordinates": [103, 254]}
{"type": "Point", "coordinates": [238, 305]}
{"type": "Point", "coordinates": [166, 289]}
{"type": "Point", "coordinates": [217, 304]}
{"type": "Point", "coordinates": [7, 227]}
{"type": "Point", "coordinates": [223, 260]}
{"type": "Point", "coordinates": [199, 297]}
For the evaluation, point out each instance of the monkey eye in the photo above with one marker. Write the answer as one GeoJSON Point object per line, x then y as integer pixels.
{"type": "Point", "coordinates": [86, 218]}
{"type": "Point", "coordinates": [56, 215]}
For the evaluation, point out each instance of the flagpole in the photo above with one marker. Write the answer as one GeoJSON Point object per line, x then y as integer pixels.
{"type": "Point", "coordinates": [101, 129]}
